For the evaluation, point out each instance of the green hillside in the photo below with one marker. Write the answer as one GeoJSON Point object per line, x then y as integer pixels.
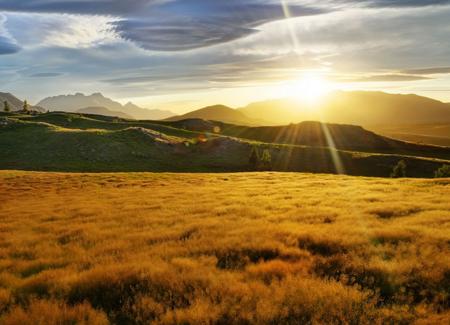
{"type": "Point", "coordinates": [91, 143]}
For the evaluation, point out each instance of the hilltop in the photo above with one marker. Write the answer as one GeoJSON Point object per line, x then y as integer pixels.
{"type": "Point", "coordinates": [218, 113]}
{"type": "Point", "coordinates": [84, 142]}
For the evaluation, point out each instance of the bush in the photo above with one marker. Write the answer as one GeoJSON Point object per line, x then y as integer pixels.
{"type": "Point", "coordinates": [399, 170]}
{"type": "Point", "coordinates": [254, 157]}
{"type": "Point", "coordinates": [6, 106]}
{"type": "Point", "coordinates": [442, 172]}
{"type": "Point", "coordinates": [266, 160]}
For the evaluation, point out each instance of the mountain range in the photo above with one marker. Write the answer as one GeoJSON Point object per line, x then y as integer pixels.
{"type": "Point", "coordinates": [356, 107]}
{"type": "Point", "coordinates": [79, 101]}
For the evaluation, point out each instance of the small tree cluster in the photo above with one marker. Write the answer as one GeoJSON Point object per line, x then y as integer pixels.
{"type": "Point", "coordinates": [260, 161]}
{"type": "Point", "coordinates": [442, 172]}
{"type": "Point", "coordinates": [26, 106]}
{"type": "Point", "coordinates": [399, 170]}
{"type": "Point", "coordinates": [6, 107]}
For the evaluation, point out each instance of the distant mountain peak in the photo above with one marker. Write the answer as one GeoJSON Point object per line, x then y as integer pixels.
{"type": "Point", "coordinates": [130, 105]}
{"type": "Point", "coordinates": [73, 103]}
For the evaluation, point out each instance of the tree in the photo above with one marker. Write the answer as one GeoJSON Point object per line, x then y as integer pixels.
{"type": "Point", "coordinates": [266, 160]}
{"type": "Point", "coordinates": [254, 157]}
{"type": "Point", "coordinates": [6, 106]}
{"type": "Point", "coordinates": [442, 172]}
{"type": "Point", "coordinates": [399, 170]}
{"type": "Point", "coordinates": [26, 107]}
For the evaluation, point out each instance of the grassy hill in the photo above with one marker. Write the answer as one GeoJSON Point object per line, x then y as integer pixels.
{"type": "Point", "coordinates": [259, 248]}
{"type": "Point", "coordinates": [78, 142]}
{"type": "Point", "coordinates": [218, 113]}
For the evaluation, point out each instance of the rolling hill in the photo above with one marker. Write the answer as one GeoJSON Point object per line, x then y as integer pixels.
{"type": "Point", "coordinates": [15, 103]}
{"type": "Point", "coordinates": [93, 143]}
{"type": "Point", "coordinates": [437, 133]}
{"type": "Point", "coordinates": [73, 103]}
{"type": "Point", "coordinates": [218, 113]}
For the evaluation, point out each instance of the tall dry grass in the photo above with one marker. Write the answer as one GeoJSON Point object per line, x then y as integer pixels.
{"type": "Point", "coordinates": [267, 248]}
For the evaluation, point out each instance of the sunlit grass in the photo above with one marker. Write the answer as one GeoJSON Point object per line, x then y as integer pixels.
{"type": "Point", "coordinates": [223, 248]}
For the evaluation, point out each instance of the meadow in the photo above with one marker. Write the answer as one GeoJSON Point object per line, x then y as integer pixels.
{"type": "Point", "coordinates": [249, 248]}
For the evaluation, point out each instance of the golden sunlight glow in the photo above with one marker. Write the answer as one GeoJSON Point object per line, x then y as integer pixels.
{"type": "Point", "coordinates": [311, 88]}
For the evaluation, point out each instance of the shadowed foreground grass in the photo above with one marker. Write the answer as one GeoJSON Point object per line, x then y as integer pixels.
{"type": "Point", "coordinates": [263, 248]}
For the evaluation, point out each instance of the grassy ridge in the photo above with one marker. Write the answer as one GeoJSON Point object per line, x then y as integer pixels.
{"type": "Point", "coordinates": [80, 143]}
{"type": "Point", "coordinates": [265, 248]}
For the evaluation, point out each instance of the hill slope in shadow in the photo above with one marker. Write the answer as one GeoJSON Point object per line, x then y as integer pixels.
{"type": "Point", "coordinates": [90, 143]}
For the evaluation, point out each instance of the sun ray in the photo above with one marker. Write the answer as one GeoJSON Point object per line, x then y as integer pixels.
{"type": "Point", "coordinates": [338, 165]}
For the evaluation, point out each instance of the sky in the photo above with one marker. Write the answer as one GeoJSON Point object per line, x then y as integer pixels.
{"type": "Point", "coordinates": [184, 54]}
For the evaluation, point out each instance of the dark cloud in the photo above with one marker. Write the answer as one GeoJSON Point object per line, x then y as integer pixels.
{"type": "Point", "coordinates": [193, 24]}
{"type": "Point", "coordinates": [7, 46]}
{"type": "Point", "coordinates": [175, 25]}
{"type": "Point", "coordinates": [93, 7]}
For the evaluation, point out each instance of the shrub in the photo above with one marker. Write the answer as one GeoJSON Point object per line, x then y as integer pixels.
{"type": "Point", "coordinates": [442, 172]}
{"type": "Point", "coordinates": [254, 157]}
{"type": "Point", "coordinates": [266, 160]}
{"type": "Point", "coordinates": [6, 106]}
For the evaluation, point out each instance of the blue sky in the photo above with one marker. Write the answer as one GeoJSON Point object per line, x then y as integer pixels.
{"type": "Point", "coordinates": [181, 54]}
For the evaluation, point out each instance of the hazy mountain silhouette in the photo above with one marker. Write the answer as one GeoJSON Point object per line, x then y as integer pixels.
{"type": "Point", "coordinates": [146, 114]}
{"type": "Point", "coordinates": [15, 104]}
{"type": "Point", "coordinates": [72, 103]}
{"type": "Point", "coordinates": [103, 111]}
{"type": "Point", "coordinates": [218, 113]}
{"type": "Point", "coordinates": [358, 107]}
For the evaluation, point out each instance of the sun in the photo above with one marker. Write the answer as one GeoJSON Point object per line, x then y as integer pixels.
{"type": "Point", "coordinates": [309, 88]}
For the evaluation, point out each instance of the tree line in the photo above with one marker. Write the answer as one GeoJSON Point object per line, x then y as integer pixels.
{"type": "Point", "coordinates": [7, 107]}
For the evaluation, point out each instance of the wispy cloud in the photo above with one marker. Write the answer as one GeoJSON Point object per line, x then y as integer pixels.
{"type": "Point", "coordinates": [429, 71]}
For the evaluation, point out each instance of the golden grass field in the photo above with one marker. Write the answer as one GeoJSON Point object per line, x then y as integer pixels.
{"type": "Point", "coordinates": [260, 248]}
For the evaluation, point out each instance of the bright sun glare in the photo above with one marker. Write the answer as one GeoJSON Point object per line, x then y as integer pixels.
{"type": "Point", "coordinates": [310, 88]}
